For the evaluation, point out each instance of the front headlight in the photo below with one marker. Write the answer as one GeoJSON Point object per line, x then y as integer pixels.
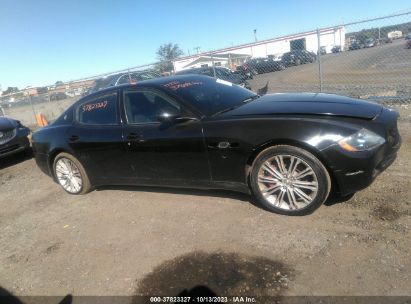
{"type": "Point", "coordinates": [363, 140]}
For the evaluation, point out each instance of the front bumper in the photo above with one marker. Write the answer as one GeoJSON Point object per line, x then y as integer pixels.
{"type": "Point", "coordinates": [356, 171]}
{"type": "Point", "coordinates": [18, 144]}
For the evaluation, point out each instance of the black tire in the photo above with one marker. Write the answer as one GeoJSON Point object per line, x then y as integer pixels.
{"type": "Point", "coordinates": [86, 185]}
{"type": "Point", "coordinates": [321, 174]}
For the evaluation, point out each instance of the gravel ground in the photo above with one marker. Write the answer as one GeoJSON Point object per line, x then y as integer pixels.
{"type": "Point", "coordinates": [134, 241]}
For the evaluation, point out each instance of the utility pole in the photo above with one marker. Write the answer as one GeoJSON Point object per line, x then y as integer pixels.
{"type": "Point", "coordinates": [320, 71]}
{"type": "Point", "coordinates": [255, 35]}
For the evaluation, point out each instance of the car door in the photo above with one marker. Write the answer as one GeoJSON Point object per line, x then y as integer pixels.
{"type": "Point", "coordinates": [171, 151]}
{"type": "Point", "coordinates": [96, 137]}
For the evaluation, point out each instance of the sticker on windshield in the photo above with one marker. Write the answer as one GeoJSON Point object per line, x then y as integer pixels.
{"type": "Point", "coordinates": [227, 83]}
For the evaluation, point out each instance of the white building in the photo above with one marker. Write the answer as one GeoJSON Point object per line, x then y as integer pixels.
{"type": "Point", "coordinates": [394, 34]}
{"type": "Point", "coordinates": [236, 55]}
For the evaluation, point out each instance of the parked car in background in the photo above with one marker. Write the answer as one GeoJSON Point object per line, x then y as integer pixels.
{"type": "Point", "coordinates": [58, 96]}
{"type": "Point", "coordinates": [336, 49]}
{"type": "Point", "coordinates": [298, 57]}
{"type": "Point", "coordinates": [220, 72]}
{"type": "Point", "coordinates": [264, 65]}
{"type": "Point", "coordinates": [370, 42]}
{"type": "Point", "coordinates": [122, 78]}
{"type": "Point", "coordinates": [323, 50]}
{"type": "Point", "coordinates": [245, 71]}
{"type": "Point", "coordinates": [387, 40]}
{"type": "Point", "coordinates": [13, 137]}
{"type": "Point", "coordinates": [289, 150]}
{"type": "Point", "coordinates": [408, 44]}
{"type": "Point", "coordinates": [275, 57]}
{"type": "Point", "coordinates": [408, 36]}
{"type": "Point", "coordinates": [355, 46]}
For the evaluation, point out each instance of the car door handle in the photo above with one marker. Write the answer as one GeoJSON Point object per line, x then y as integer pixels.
{"type": "Point", "coordinates": [73, 138]}
{"type": "Point", "coordinates": [133, 136]}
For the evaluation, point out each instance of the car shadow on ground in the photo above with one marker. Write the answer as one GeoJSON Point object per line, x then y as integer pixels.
{"type": "Point", "coordinates": [243, 197]}
{"type": "Point", "coordinates": [15, 159]}
{"type": "Point", "coordinates": [183, 191]}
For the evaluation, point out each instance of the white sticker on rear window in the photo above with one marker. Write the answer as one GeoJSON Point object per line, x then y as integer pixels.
{"type": "Point", "coordinates": [227, 83]}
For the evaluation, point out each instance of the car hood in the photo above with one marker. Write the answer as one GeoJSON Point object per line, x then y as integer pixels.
{"type": "Point", "coordinates": [7, 123]}
{"type": "Point", "coordinates": [308, 104]}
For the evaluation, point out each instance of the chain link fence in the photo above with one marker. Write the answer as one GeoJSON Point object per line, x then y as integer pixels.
{"type": "Point", "coordinates": [369, 59]}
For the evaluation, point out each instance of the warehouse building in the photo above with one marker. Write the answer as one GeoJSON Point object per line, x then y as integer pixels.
{"type": "Point", "coordinates": [237, 55]}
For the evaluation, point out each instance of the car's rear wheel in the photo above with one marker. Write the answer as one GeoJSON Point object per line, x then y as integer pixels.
{"type": "Point", "coordinates": [289, 180]}
{"type": "Point", "coordinates": [70, 174]}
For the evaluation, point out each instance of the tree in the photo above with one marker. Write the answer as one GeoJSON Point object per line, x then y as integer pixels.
{"type": "Point", "coordinates": [10, 90]}
{"type": "Point", "coordinates": [59, 83]}
{"type": "Point", "coordinates": [166, 54]}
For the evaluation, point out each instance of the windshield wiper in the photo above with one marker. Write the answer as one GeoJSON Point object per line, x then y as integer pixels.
{"type": "Point", "coordinates": [225, 110]}
{"type": "Point", "coordinates": [248, 99]}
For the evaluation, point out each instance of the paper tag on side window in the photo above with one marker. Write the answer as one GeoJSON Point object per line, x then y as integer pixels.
{"type": "Point", "coordinates": [227, 83]}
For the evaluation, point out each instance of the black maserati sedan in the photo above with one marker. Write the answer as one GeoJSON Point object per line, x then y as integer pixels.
{"type": "Point", "coordinates": [13, 137]}
{"type": "Point", "coordinates": [291, 151]}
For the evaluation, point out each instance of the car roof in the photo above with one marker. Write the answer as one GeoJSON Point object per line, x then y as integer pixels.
{"type": "Point", "coordinates": [155, 82]}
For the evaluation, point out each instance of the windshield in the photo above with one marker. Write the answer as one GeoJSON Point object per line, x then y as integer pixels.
{"type": "Point", "coordinates": [209, 95]}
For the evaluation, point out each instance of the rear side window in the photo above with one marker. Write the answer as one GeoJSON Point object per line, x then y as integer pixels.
{"type": "Point", "coordinates": [101, 110]}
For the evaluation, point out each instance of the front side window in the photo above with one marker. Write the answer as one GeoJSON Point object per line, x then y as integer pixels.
{"type": "Point", "coordinates": [101, 110]}
{"type": "Point", "coordinates": [145, 106]}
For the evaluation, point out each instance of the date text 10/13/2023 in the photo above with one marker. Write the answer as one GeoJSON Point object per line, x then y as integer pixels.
{"type": "Point", "coordinates": [203, 299]}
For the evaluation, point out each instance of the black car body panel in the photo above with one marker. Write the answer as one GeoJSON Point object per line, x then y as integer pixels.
{"type": "Point", "coordinates": [309, 104]}
{"type": "Point", "coordinates": [216, 149]}
{"type": "Point", "coordinates": [13, 137]}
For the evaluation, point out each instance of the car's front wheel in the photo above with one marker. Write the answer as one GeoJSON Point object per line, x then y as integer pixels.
{"type": "Point", "coordinates": [289, 180]}
{"type": "Point", "coordinates": [70, 174]}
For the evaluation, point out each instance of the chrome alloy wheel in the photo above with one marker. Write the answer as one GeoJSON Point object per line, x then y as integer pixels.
{"type": "Point", "coordinates": [68, 175]}
{"type": "Point", "coordinates": [287, 182]}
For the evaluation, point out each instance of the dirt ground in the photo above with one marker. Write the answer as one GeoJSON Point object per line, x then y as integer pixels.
{"type": "Point", "coordinates": [152, 241]}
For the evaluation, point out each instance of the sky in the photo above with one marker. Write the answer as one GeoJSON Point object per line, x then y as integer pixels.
{"type": "Point", "coordinates": [45, 41]}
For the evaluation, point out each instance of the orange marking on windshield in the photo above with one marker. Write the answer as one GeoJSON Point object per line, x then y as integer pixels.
{"type": "Point", "coordinates": [94, 106]}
